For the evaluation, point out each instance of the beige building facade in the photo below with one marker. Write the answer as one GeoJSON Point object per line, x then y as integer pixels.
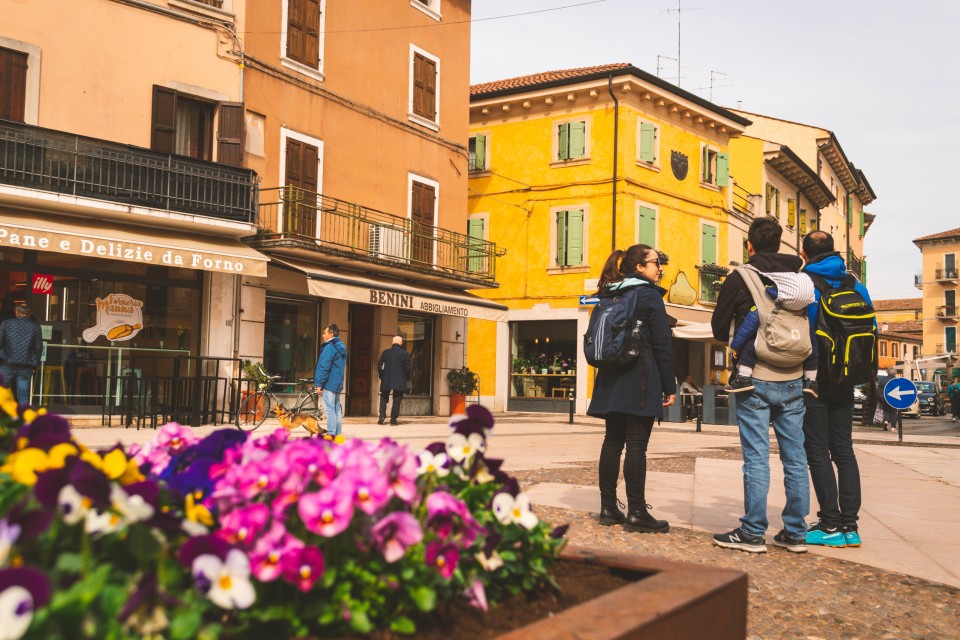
{"type": "Point", "coordinates": [939, 283]}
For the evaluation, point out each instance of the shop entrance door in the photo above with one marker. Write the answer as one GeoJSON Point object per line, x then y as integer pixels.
{"type": "Point", "coordinates": [360, 360]}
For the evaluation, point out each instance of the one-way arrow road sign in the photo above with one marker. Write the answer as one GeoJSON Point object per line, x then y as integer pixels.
{"type": "Point", "coordinates": [900, 393]}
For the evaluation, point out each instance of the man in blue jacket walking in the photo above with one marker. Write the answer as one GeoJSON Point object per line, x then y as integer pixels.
{"type": "Point", "coordinates": [329, 375]}
{"type": "Point", "coordinates": [828, 422]}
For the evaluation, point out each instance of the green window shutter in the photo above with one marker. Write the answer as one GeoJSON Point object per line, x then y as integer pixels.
{"type": "Point", "coordinates": [647, 136]}
{"type": "Point", "coordinates": [647, 227]}
{"type": "Point", "coordinates": [791, 212]}
{"type": "Point", "coordinates": [849, 210]}
{"type": "Point", "coordinates": [705, 163]}
{"type": "Point", "coordinates": [776, 196]}
{"type": "Point", "coordinates": [561, 238]}
{"type": "Point", "coordinates": [708, 250]}
{"type": "Point", "coordinates": [578, 139]}
{"type": "Point", "coordinates": [475, 244]}
{"type": "Point", "coordinates": [862, 222]}
{"type": "Point", "coordinates": [863, 272]}
{"type": "Point", "coordinates": [480, 161]}
{"type": "Point", "coordinates": [723, 169]}
{"type": "Point", "coordinates": [564, 148]}
{"type": "Point", "coordinates": [575, 237]}
{"type": "Point", "coordinates": [746, 254]}
{"type": "Point", "coordinates": [769, 200]}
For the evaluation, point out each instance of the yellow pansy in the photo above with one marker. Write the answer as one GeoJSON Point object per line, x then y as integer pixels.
{"type": "Point", "coordinates": [196, 512]}
{"type": "Point", "coordinates": [23, 466]}
{"type": "Point", "coordinates": [9, 406]}
{"type": "Point", "coordinates": [131, 474]}
{"type": "Point", "coordinates": [115, 464]}
{"type": "Point", "coordinates": [29, 415]}
{"type": "Point", "coordinates": [59, 453]}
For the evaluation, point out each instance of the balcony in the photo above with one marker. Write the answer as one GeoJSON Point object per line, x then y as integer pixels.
{"type": "Point", "coordinates": [918, 281]}
{"type": "Point", "coordinates": [65, 163]}
{"type": "Point", "coordinates": [325, 229]}
{"type": "Point", "coordinates": [856, 266]}
{"type": "Point", "coordinates": [947, 312]}
{"type": "Point", "coordinates": [711, 279]}
{"type": "Point", "coordinates": [744, 203]}
{"type": "Point", "coordinates": [948, 275]}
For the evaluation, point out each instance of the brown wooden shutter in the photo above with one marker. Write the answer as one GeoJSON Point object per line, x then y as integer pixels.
{"type": "Point", "coordinates": [230, 137]}
{"type": "Point", "coordinates": [311, 33]}
{"type": "Point", "coordinates": [293, 163]}
{"type": "Point", "coordinates": [163, 138]}
{"type": "Point", "coordinates": [421, 214]}
{"type": "Point", "coordinates": [296, 11]}
{"type": "Point", "coordinates": [424, 86]}
{"type": "Point", "coordinates": [300, 211]}
{"type": "Point", "coordinates": [13, 84]}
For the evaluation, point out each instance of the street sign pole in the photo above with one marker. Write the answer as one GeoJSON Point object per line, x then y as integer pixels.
{"type": "Point", "coordinates": [899, 425]}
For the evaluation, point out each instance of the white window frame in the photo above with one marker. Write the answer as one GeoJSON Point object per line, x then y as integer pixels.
{"type": "Point", "coordinates": [414, 177]}
{"type": "Point", "coordinates": [555, 143]}
{"type": "Point", "coordinates": [715, 151]}
{"type": "Point", "coordinates": [486, 152]}
{"type": "Point", "coordinates": [307, 139]}
{"type": "Point", "coordinates": [656, 227]}
{"type": "Point", "coordinates": [583, 267]}
{"type": "Point", "coordinates": [295, 65]}
{"type": "Point", "coordinates": [430, 7]}
{"type": "Point", "coordinates": [413, 117]}
{"type": "Point", "coordinates": [655, 165]}
{"type": "Point", "coordinates": [224, 11]}
{"type": "Point", "coordinates": [31, 99]}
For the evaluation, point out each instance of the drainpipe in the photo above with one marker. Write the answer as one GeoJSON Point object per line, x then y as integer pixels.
{"type": "Point", "coordinates": [616, 140]}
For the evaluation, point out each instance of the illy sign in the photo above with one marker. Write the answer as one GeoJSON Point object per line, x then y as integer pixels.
{"type": "Point", "coordinates": [42, 284]}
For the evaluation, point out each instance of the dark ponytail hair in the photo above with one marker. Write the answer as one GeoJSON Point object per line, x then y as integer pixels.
{"type": "Point", "coordinates": [621, 263]}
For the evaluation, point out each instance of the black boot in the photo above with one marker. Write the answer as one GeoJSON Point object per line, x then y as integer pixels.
{"type": "Point", "coordinates": [640, 521]}
{"type": "Point", "coordinates": [610, 513]}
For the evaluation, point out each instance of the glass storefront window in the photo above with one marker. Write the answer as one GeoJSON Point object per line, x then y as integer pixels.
{"type": "Point", "coordinates": [417, 334]}
{"type": "Point", "coordinates": [290, 338]}
{"type": "Point", "coordinates": [544, 358]}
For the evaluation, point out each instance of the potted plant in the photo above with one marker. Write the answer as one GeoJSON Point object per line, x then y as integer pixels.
{"type": "Point", "coordinates": [254, 371]}
{"type": "Point", "coordinates": [462, 382]}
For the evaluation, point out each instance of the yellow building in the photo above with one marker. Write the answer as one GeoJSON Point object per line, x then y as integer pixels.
{"type": "Point", "coordinates": [564, 166]}
{"type": "Point", "coordinates": [794, 155]}
{"type": "Point", "coordinates": [939, 283]}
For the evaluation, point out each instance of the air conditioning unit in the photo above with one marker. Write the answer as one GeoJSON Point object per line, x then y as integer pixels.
{"type": "Point", "coordinates": [388, 243]}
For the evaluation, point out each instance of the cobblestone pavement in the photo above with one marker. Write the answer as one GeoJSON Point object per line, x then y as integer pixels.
{"type": "Point", "coordinates": [790, 595]}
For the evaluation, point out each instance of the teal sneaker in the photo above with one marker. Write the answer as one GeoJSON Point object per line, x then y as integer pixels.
{"type": "Point", "coordinates": [851, 538]}
{"type": "Point", "coordinates": [822, 536]}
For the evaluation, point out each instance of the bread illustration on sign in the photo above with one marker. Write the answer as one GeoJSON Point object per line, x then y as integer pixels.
{"type": "Point", "coordinates": [119, 318]}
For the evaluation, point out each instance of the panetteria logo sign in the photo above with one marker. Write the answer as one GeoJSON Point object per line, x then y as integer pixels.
{"type": "Point", "coordinates": [42, 284]}
{"type": "Point", "coordinates": [119, 317]}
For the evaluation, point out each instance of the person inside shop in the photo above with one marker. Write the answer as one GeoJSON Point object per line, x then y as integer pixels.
{"type": "Point", "coordinates": [628, 415]}
{"type": "Point", "coordinates": [21, 343]}
{"type": "Point", "coordinates": [285, 349]}
{"type": "Point", "coordinates": [329, 375]}
{"type": "Point", "coordinates": [690, 395]}
{"type": "Point", "coordinates": [394, 369]}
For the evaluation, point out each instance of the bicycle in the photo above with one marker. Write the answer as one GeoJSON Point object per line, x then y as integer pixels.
{"type": "Point", "coordinates": [255, 408]}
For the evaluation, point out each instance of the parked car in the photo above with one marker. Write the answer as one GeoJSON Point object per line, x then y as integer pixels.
{"type": "Point", "coordinates": [913, 411]}
{"type": "Point", "coordinates": [932, 401]}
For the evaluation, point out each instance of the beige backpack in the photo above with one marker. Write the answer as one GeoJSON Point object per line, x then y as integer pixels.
{"type": "Point", "coordinates": [783, 338]}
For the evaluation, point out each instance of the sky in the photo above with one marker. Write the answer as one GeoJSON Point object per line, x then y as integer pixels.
{"type": "Point", "coordinates": [881, 75]}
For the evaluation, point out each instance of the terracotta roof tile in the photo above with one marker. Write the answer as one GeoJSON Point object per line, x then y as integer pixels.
{"type": "Point", "coordinates": [908, 327]}
{"type": "Point", "coordinates": [541, 78]}
{"type": "Point", "coordinates": [943, 235]}
{"type": "Point", "coordinates": [898, 304]}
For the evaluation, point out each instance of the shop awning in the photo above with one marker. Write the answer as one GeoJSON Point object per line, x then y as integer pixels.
{"type": "Point", "coordinates": [113, 241]}
{"type": "Point", "coordinates": [342, 285]}
{"type": "Point", "coordinates": [699, 332]}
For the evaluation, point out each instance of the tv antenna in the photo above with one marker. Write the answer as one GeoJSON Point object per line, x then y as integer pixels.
{"type": "Point", "coordinates": [679, 11]}
{"type": "Point", "coordinates": [660, 66]}
{"type": "Point", "coordinates": [713, 85]}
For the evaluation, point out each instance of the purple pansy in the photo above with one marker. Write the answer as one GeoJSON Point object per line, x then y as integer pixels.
{"type": "Point", "coordinates": [443, 557]}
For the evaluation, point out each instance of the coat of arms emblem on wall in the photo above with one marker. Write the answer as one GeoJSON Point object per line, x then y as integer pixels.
{"type": "Point", "coordinates": [679, 163]}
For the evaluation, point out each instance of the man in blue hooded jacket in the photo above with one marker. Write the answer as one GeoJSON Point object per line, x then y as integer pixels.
{"type": "Point", "coordinates": [328, 377]}
{"type": "Point", "coordinates": [828, 421]}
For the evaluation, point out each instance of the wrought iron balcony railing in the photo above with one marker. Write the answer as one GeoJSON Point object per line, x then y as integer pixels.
{"type": "Point", "coordinates": [744, 201]}
{"type": "Point", "coordinates": [949, 274]}
{"type": "Point", "coordinates": [918, 281]}
{"type": "Point", "coordinates": [855, 265]}
{"type": "Point", "coordinates": [947, 312]}
{"type": "Point", "coordinates": [61, 162]}
{"type": "Point", "coordinates": [330, 225]}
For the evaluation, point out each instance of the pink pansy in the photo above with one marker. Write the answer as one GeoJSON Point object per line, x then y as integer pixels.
{"type": "Point", "coordinates": [443, 503]}
{"type": "Point", "coordinates": [257, 479]}
{"type": "Point", "coordinates": [371, 490]}
{"type": "Point", "coordinates": [476, 594]}
{"type": "Point", "coordinates": [266, 559]}
{"type": "Point", "coordinates": [395, 533]}
{"type": "Point", "coordinates": [242, 525]}
{"type": "Point", "coordinates": [174, 437]}
{"type": "Point", "coordinates": [443, 557]}
{"type": "Point", "coordinates": [327, 512]}
{"type": "Point", "coordinates": [402, 475]}
{"type": "Point", "coordinates": [302, 568]}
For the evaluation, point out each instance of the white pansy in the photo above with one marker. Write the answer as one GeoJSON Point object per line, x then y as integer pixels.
{"type": "Point", "coordinates": [16, 612]}
{"type": "Point", "coordinates": [507, 509]}
{"type": "Point", "coordinates": [229, 579]}
{"type": "Point", "coordinates": [430, 463]}
{"type": "Point", "coordinates": [132, 508]}
{"type": "Point", "coordinates": [73, 505]}
{"type": "Point", "coordinates": [461, 447]}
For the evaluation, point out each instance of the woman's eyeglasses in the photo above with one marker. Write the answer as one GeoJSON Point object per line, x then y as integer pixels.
{"type": "Point", "coordinates": [656, 260]}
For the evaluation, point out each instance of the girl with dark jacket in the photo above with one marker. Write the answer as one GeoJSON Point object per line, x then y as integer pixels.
{"type": "Point", "coordinates": [629, 399]}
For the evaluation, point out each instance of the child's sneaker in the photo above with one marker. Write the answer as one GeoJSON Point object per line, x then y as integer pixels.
{"type": "Point", "coordinates": [788, 542]}
{"type": "Point", "coordinates": [739, 384]}
{"type": "Point", "coordinates": [822, 536]}
{"type": "Point", "coordinates": [810, 388]}
{"type": "Point", "coordinates": [852, 538]}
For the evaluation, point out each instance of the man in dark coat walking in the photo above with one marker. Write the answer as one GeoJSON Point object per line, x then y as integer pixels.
{"type": "Point", "coordinates": [394, 369]}
{"type": "Point", "coordinates": [21, 344]}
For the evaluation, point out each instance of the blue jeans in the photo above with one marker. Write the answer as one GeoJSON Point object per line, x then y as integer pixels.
{"type": "Point", "coordinates": [16, 377]}
{"type": "Point", "coordinates": [782, 404]}
{"type": "Point", "coordinates": [331, 404]}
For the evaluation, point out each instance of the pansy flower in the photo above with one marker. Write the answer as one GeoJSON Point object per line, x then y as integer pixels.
{"type": "Point", "coordinates": [395, 533]}
{"type": "Point", "coordinates": [302, 568]}
{"type": "Point", "coordinates": [226, 582]}
{"type": "Point", "coordinates": [443, 557]}
{"type": "Point", "coordinates": [22, 591]}
{"type": "Point", "coordinates": [514, 510]}
{"type": "Point", "coordinates": [477, 419]}
{"type": "Point", "coordinates": [371, 490]}
{"type": "Point", "coordinates": [327, 512]}
{"type": "Point", "coordinates": [433, 463]}
{"type": "Point", "coordinates": [8, 537]}
{"type": "Point", "coordinates": [269, 551]}
{"type": "Point", "coordinates": [462, 447]}
{"type": "Point", "coordinates": [476, 594]}
{"type": "Point", "coordinates": [242, 525]}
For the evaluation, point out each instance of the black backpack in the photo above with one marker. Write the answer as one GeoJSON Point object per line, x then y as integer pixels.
{"type": "Point", "coordinates": [614, 337]}
{"type": "Point", "coordinates": [846, 334]}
